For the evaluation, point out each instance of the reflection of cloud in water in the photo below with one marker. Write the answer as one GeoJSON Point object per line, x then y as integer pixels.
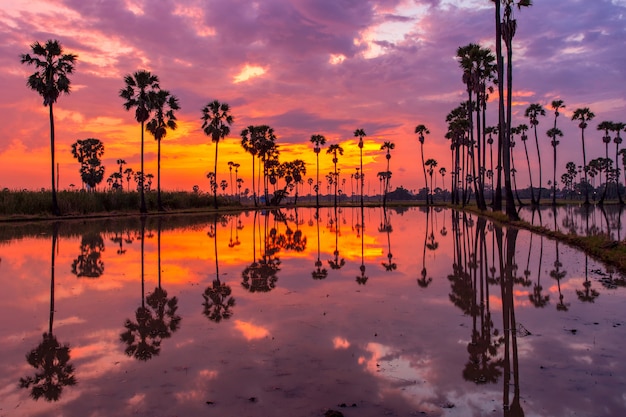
{"type": "Point", "coordinates": [250, 331]}
{"type": "Point", "coordinates": [340, 343]}
{"type": "Point", "coordinates": [411, 376]}
{"type": "Point", "coordinates": [99, 356]}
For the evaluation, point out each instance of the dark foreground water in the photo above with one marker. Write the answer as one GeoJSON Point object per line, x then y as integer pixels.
{"type": "Point", "coordinates": [419, 312]}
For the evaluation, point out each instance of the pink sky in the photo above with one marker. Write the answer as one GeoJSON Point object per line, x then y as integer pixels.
{"type": "Point", "coordinates": [304, 67]}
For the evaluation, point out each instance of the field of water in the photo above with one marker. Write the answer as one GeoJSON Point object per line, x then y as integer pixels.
{"type": "Point", "coordinates": [370, 312]}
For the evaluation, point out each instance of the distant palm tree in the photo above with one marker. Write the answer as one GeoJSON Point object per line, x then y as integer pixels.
{"type": "Point", "coordinates": [216, 121]}
{"type": "Point", "coordinates": [618, 127]}
{"type": "Point", "coordinates": [318, 141]}
{"type": "Point", "coordinates": [556, 106]}
{"type": "Point", "coordinates": [421, 130]}
{"type": "Point", "coordinates": [533, 112]}
{"type": "Point", "coordinates": [387, 146]}
{"type": "Point", "coordinates": [138, 93]}
{"type": "Point", "coordinates": [50, 80]}
{"type": "Point", "coordinates": [249, 141]}
{"type": "Point", "coordinates": [164, 105]}
{"type": "Point", "coordinates": [606, 126]}
{"type": "Point", "coordinates": [553, 134]}
{"type": "Point", "coordinates": [521, 130]}
{"type": "Point", "coordinates": [360, 133]}
{"type": "Point", "coordinates": [584, 115]}
{"type": "Point", "coordinates": [335, 150]}
{"type": "Point", "coordinates": [431, 164]}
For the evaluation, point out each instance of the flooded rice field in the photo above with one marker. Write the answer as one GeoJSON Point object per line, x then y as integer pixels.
{"type": "Point", "coordinates": [372, 312]}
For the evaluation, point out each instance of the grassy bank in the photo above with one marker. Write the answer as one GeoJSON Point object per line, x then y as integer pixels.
{"type": "Point", "coordinates": [600, 247]}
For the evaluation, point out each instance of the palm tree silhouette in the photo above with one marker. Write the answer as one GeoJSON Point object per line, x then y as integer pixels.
{"type": "Point", "coordinates": [216, 121]}
{"type": "Point", "coordinates": [387, 146]}
{"type": "Point", "coordinates": [553, 134]}
{"type": "Point", "coordinates": [618, 127]}
{"type": "Point", "coordinates": [164, 105]}
{"type": "Point", "coordinates": [533, 112]}
{"type": "Point", "coordinates": [386, 227]}
{"type": "Point", "coordinates": [319, 272]}
{"type": "Point", "coordinates": [336, 262]}
{"type": "Point", "coordinates": [584, 115]}
{"type": "Point", "coordinates": [335, 150]}
{"type": "Point", "coordinates": [249, 142]}
{"type": "Point", "coordinates": [50, 80]}
{"type": "Point", "coordinates": [318, 141]}
{"type": "Point", "coordinates": [360, 133]}
{"type": "Point", "coordinates": [138, 93]}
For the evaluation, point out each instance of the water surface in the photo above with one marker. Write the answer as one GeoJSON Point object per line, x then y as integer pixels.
{"type": "Point", "coordinates": [410, 312]}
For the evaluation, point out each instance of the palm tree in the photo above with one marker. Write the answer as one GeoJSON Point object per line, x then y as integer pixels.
{"type": "Point", "coordinates": [216, 121]}
{"type": "Point", "coordinates": [138, 93]}
{"type": "Point", "coordinates": [387, 146]}
{"type": "Point", "coordinates": [606, 126]}
{"type": "Point", "coordinates": [129, 174]}
{"type": "Point", "coordinates": [533, 112]}
{"type": "Point", "coordinates": [522, 129]}
{"type": "Point", "coordinates": [584, 115]}
{"type": "Point", "coordinates": [335, 150]}
{"type": "Point", "coordinates": [553, 134]}
{"type": "Point", "coordinates": [556, 105]}
{"type": "Point", "coordinates": [431, 164]}
{"type": "Point", "coordinates": [50, 80]}
{"type": "Point", "coordinates": [360, 133]}
{"type": "Point", "coordinates": [318, 141]}
{"type": "Point", "coordinates": [249, 140]}
{"type": "Point", "coordinates": [618, 127]}
{"type": "Point", "coordinates": [508, 29]}
{"type": "Point", "coordinates": [421, 130]}
{"type": "Point", "coordinates": [164, 105]}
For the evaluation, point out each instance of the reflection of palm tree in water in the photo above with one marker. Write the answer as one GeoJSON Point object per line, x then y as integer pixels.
{"type": "Point", "coordinates": [218, 301]}
{"type": "Point", "coordinates": [482, 348]}
{"type": "Point", "coordinates": [319, 272]}
{"type": "Point", "coordinates": [511, 328]}
{"type": "Point", "coordinates": [336, 263]}
{"type": "Point", "coordinates": [558, 274]}
{"type": "Point", "coordinates": [50, 358]}
{"type": "Point", "coordinates": [537, 297]}
{"type": "Point", "coordinates": [89, 263]}
{"type": "Point", "coordinates": [423, 281]}
{"type": "Point", "coordinates": [361, 279]}
{"type": "Point", "coordinates": [260, 276]}
{"type": "Point", "coordinates": [143, 336]}
{"type": "Point", "coordinates": [587, 294]}
{"type": "Point", "coordinates": [386, 227]}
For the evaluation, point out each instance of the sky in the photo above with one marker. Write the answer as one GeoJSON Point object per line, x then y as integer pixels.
{"type": "Point", "coordinates": [303, 67]}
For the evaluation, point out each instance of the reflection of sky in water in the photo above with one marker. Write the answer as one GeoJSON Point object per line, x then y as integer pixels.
{"type": "Point", "coordinates": [389, 346]}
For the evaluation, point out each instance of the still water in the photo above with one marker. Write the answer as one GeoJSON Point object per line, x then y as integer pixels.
{"type": "Point", "coordinates": [371, 313]}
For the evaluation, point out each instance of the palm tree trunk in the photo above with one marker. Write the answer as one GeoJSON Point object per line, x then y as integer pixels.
{"type": "Point", "coordinates": [554, 177]}
{"type": "Point", "coordinates": [497, 203]}
{"type": "Point", "coordinates": [215, 177]}
{"type": "Point", "coordinates": [424, 169]}
{"type": "Point", "coordinates": [159, 204]}
{"type": "Point", "coordinates": [510, 202]}
{"type": "Point", "coordinates": [55, 206]}
{"type": "Point", "coordinates": [253, 189]}
{"type": "Point", "coordinates": [317, 181]}
{"type": "Point", "coordinates": [582, 134]}
{"type": "Point", "coordinates": [619, 194]}
{"type": "Point", "coordinates": [540, 168]}
{"type": "Point", "coordinates": [142, 208]}
{"type": "Point", "coordinates": [530, 176]}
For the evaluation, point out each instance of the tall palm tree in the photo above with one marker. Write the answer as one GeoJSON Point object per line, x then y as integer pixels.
{"type": "Point", "coordinates": [509, 26]}
{"type": "Point", "coordinates": [138, 93]}
{"type": "Point", "coordinates": [421, 130]}
{"type": "Point", "coordinates": [533, 112]}
{"type": "Point", "coordinates": [431, 164]}
{"type": "Point", "coordinates": [164, 105]}
{"type": "Point", "coordinates": [335, 150]}
{"type": "Point", "coordinates": [360, 133]}
{"type": "Point", "coordinates": [49, 80]}
{"type": "Point", "coordinates": [318, 141]}
{"type": "Point", "coordinates": [522, 129]}
{"type": "Point", "coordinates": [216, 121]}
{"type": "Point", "coordinates": [553, 134]}
{"type": "Point", "coordinates": [584, 115]}
{"type": "Point", "coordinates": [607, 126]}
{"type": "Point", "coordinates": [249, 140]}
{"type": "Point", "coordinates": [618, 127]}
{"type": "Point", "coordinates": [387, 146]}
